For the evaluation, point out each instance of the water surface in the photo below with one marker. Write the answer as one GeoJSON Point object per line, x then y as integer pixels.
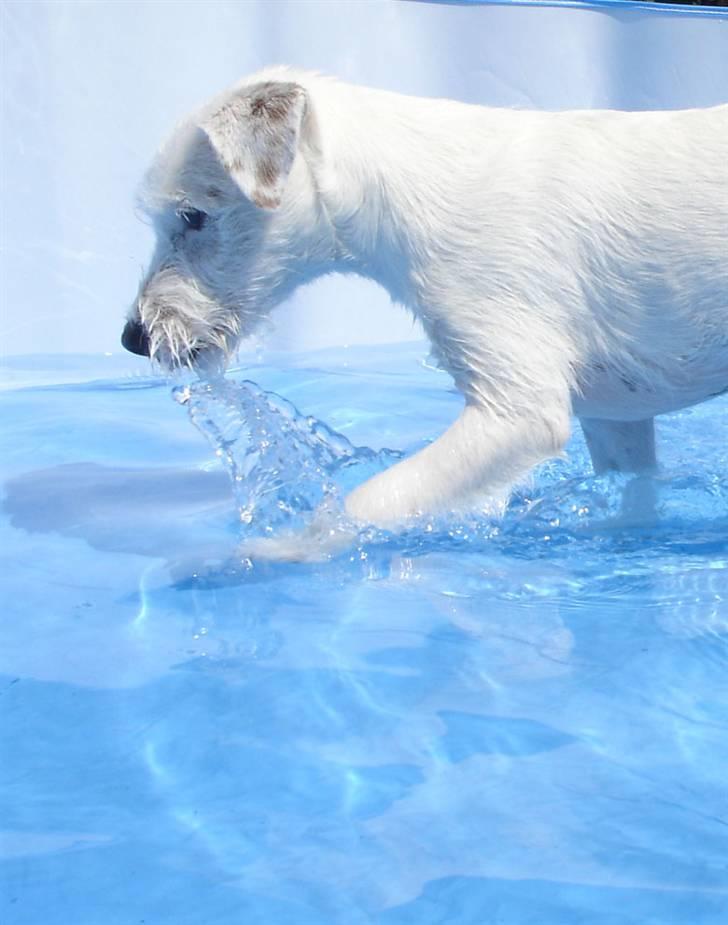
{"type": "Point", "coordinates": [478, 721]}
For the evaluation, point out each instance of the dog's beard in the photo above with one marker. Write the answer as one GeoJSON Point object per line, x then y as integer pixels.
{"type": "Point", "coordinates": [186, 327]}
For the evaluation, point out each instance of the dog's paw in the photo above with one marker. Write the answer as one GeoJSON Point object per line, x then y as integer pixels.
{"type": "Point", "coordinates": [325, 537]}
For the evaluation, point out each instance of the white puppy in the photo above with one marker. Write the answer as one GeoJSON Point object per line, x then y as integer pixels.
{"type": "Point", "coordinates": [560, 263]}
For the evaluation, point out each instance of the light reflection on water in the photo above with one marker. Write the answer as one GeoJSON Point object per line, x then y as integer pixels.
{"type": "Point", "coordinates": [517, 719]}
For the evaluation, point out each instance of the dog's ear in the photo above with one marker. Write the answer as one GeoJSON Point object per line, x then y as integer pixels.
{"type": "Point", "coordinates": [255, 135]}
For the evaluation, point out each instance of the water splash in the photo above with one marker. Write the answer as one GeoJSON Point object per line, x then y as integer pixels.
{"type": "Point", "coordinates": [283, 465]}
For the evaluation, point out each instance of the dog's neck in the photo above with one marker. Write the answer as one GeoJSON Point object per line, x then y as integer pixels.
{"type": "Point", "coordinates": [381, 191]}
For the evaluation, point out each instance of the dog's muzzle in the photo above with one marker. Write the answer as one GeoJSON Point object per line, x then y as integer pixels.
{"type": "Point", "coordinates": [135, 339]}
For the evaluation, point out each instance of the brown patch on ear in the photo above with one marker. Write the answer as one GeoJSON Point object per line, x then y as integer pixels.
{"type": "Point", "coordinates": [256, 136]}
{"type": "Point", "coordinates": [266, 171]}
{"type": "Point", "coordinates": [264, 201]}
{"type": "Point", "coordinates": [257, 107]}
{"type": "Point", "coordinates": [273, 101]}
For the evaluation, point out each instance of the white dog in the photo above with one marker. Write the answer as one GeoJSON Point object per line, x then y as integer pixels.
{"type": "Point", "coordinates": [560, 263]}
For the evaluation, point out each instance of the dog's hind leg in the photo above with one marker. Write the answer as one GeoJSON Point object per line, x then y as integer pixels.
{"type": "Point", "coordinates": [482, 452]}
{"type": "Point", "coordinates": [620, 446]}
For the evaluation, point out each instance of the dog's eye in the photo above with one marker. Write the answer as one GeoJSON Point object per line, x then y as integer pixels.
{"type": "Point", "coordinates": [193, 218]}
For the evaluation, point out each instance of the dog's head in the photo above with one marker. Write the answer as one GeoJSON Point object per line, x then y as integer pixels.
{"type": "Point", "coordinates": [234, 206]}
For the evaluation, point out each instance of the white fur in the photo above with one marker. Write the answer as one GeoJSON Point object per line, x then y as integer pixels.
{"type": "Point", "coordinates": [560, 263]}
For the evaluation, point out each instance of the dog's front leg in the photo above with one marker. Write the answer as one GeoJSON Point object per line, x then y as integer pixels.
{"type": "Point", "coordinates": [482, 452]}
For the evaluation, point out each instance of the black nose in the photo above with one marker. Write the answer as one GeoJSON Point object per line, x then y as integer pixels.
{"type": "Point", "coordinates": [135, 339]}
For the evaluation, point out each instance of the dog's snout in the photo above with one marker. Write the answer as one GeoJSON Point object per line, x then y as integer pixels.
{"type": "Point", "coordinates": [135, 339]}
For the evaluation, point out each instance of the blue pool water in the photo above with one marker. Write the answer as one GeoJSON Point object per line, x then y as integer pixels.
{"type": "Point", "coordinates": [478, 721]}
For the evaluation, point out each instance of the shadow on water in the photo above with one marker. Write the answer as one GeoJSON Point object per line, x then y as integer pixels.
{"type": "Point", "coordinates": [119, 509]}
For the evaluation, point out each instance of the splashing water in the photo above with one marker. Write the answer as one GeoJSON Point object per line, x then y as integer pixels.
{"type": "Point", "coordinates": [283, 464]}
